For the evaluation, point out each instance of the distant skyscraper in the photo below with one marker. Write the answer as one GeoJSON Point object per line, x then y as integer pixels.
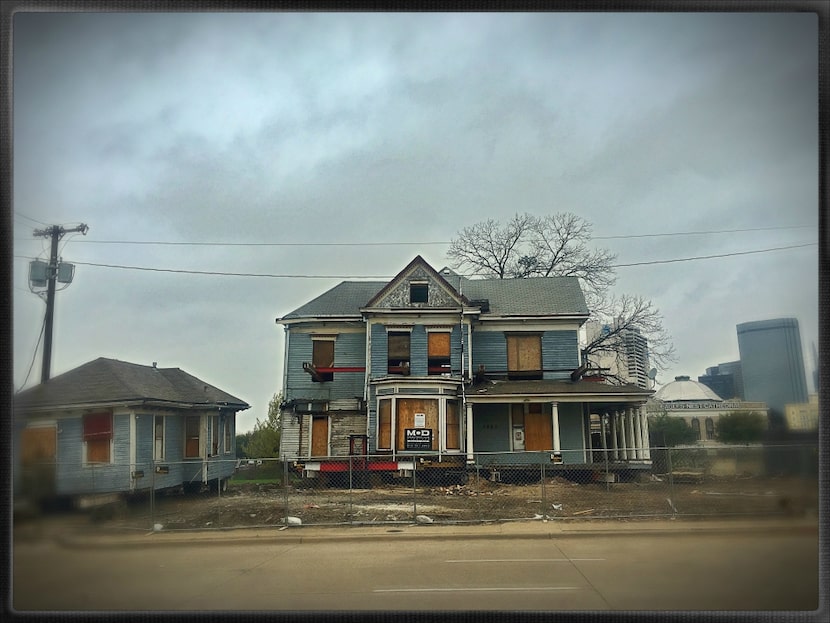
{"type": "Point", "coordinates": [725, 380]}
{"type": "Point", "coordinates": [630, 365]}
{"type": "Point", "coordinates": [772, 363]}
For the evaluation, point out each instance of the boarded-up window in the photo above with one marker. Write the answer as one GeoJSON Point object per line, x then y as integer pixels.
{"type": "Point", "coordinates": [438, 352]}
{"type": "Point", "coordinates": [538, 429]}
{"type": "Point", "coordinates": [407, 408]}
{"type": "Point", "coordinates": [453, 427]}
{"type": "Point", "coordinates": [398, 352]}
{"type": "Point", "coordinates": [158, 438]}
{"type": "Point", "coordinates": [322, 359]}
{"type": "Point", "coordinates": [524, 356]}
{"type": "Point", "coordinates": [385, 424]}
{"type": "Point", "coordinates": [98, 437]}
{"type": "Point", "coordinates": [192, 441]}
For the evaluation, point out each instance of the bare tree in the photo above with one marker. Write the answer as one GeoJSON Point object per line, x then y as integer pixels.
{"type": "Point", "coordinates": [621, 317]}
{"type": "Point", "coordinates": [489, 248]}
{"type": "Point", "coordinates": [559, 245]}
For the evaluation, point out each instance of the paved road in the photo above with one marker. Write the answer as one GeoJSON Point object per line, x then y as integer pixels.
{"type": "Point", "coordinates": [721, 571]}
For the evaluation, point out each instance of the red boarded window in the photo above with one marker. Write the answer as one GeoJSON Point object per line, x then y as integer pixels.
{"type": "Point", "coordinates": [97, 426]}
{"type": "Point", "coordinates": [97, 435]}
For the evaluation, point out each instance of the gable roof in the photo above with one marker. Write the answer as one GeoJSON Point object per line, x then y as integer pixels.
{"type": "Point", "coordinates": [105, 381]}
{"type": "Point", "coordinates": [534, 296]}
{"type": "Point", "coordinates": [418, 262]}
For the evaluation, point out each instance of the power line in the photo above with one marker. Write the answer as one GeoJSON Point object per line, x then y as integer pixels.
{"type": "Point", "coordinates": [29, 218]}
{"type": "Point", "coordinates": [302, 276]}
{"type": "Point", "coordinates": [709, 257]}
{"type": "Point", "coordinates": [411, 243]}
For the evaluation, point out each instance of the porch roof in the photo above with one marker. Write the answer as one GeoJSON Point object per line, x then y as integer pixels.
{"type": "Point", "coordinates": [555, 391]}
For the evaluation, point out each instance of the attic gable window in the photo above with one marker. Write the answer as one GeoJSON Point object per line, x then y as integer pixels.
{"type": "Point", "coordinates": [418, 292]}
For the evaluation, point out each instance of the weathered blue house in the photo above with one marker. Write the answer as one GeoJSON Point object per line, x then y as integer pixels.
{"type": "Point", "coordinates": [110, 426]}
{"type": "Point", "coordinates": [445, 371]}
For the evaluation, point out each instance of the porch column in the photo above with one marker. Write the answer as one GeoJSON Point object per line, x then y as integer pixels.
{"type": "Point", "coordinates": [629, 424]}
{"type": "Point", "coordinates": [615, 453]}
{"type": "Point", "coordinates": [638, 432]}
{"type": "Point", "coordinates": [554, 407]}
{"type": "Point", "coordinates": [468, 428]}
{"type": "Point", "coordinates": [589, 445]}
{"type": "Point", "coordinates": [646, 438]}
{"type": "Point", "coordinates": [623, 436]}
{"type": "Point", "coordinates": [603, 421]}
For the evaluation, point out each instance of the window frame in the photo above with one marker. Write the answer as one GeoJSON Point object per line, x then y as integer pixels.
{"type": "Point", "coordinates": [227, 434]}
{"type": "Point", "coordinates": [696, 428]}
{"type": "Point", "coordinates": [213, 422]}
{"type": "Point", "coordinates": [319, 357]}
{"type": "Point", "coordinates": [404, 364]}
{"type": "Point", "coordinates": [517, 356]}
{"type": "Point", "coordinates": [96, 439]}
{"type": "Point", "coordinates": [434, 362]}
{"type": "Point", "coordinates": [710, 428]}
{"type": "Point", "coordinates": [189, 437]}
{"type": "Point", "coordinates": [159, 456]}
{"type": "Point", "coordinates": [418, 292]}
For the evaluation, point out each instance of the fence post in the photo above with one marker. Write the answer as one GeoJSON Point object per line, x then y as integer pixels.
{"type": "Point", "coordinates": [478, 487]}
{"type": "Point", "coordinates": [351, 492]}
{"type": "Point", "coordinates": [152, 496]}
{"type": "Point", "coordinates": [607, 471]}
{"type": "Point", "coordinates": [544, 500]}
{"type": "Point", "coordinates": [414, 492]}
{"type": "Point", "coordinates": [285, 488]}
{"type": "Point", "coordinates": [671, 482]}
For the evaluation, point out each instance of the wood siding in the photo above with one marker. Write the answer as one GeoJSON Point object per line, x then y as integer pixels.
{"type": "Point", "coordinates": [349, 352]}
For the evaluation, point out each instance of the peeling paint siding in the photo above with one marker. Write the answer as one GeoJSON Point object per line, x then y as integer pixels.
{"type": "Point", "coordinates": [342, 425]}
{"type": "Point", "coordinates": [289, 437]}
{"type": "Point", "coordinates": [560, 349]}
{"type": "Point", "coordinates": [489, 350]}
{"type": "Point", "coordinates": [349, 351]}
{"type": "Point", "coordinates": [73, 477]}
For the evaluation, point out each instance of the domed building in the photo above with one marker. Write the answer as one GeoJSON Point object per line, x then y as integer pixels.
{"type": "Point", "coordinates": [698, 406]}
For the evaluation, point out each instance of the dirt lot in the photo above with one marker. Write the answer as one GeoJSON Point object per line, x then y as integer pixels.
{"type": "Point", "coordinates": [246, 504]}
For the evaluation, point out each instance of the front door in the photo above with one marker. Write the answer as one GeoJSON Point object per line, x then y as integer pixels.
{"type": "Point", "coordinates": [319, 436]}
{"type": "Point", "coordinates": [37, 460]}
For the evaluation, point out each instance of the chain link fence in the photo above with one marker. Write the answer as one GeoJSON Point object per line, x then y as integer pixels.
{"type": "Point", "coordinates": [748, 481]}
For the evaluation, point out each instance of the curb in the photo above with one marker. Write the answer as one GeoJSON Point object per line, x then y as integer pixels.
{"type": "Point", "coordinates": [273, 536]}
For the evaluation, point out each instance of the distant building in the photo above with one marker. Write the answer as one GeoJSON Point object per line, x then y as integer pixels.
{"type": "Point", "coordinates": [772, 364]}
{"type": "Point", "coordinates": [725, 380]}
{"type": "Point", "coordinates": [632, 364]}
{"type": "Point", "coordinates": [698, 406]}
{"type": "Point", "coordinates": [802, 417]}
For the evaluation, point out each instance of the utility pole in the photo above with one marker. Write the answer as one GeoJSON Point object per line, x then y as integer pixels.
{"type": "Point", "coordinates": [56, 232]}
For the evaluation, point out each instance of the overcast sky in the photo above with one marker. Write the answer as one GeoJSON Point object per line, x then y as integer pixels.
{"type": "Point", "coordinates": [375, 128]}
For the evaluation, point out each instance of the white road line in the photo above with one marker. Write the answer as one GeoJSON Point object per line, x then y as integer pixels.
{"type": "Point", "coordinates": [485, 590]}
{"type": "Point", "coordinates": [528, 560]}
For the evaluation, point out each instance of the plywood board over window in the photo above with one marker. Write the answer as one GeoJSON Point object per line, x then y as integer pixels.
{"type": "Point", "coordinates": [385, 424]}
{"type": "Point", "coordinates": [405, 418]}
{"type": "Point", "coordinates": [438, 352]}
{"type": "Point", "coordinates": [323, 357]}
{"type": "Point", "coordinates": [453, 437]}
{"type": "Point", "coordinates": [524, 355]}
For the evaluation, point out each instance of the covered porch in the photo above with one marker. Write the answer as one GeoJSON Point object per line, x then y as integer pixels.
{"type": "Point", "coordinates": [564, 424]}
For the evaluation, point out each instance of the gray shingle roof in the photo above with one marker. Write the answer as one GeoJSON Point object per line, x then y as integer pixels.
{"type": "Point", "coordinates": [535, 296]}
{"type": "Point", "coordinates": [105, 381]}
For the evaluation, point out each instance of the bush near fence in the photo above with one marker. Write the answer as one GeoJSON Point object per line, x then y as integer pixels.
{"type": "Point", "coordinates": [749, 481]}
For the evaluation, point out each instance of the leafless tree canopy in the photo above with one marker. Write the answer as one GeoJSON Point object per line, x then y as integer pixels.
{"type": "Point", "coordinates": [559, 245]}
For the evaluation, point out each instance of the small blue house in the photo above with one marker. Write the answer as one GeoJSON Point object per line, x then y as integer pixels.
{"type": "Point", "coordinates": [111, 427]}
